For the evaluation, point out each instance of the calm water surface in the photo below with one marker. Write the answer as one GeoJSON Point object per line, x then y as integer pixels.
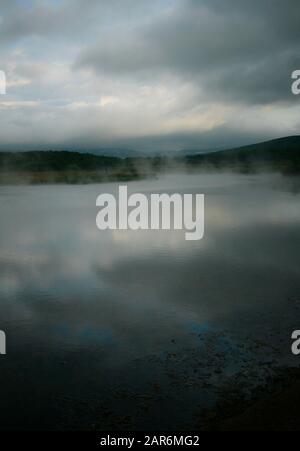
{"type": "Point", "coordinates": [144, 330]}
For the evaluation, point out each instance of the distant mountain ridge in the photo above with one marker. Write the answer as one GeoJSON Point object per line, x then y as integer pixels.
{"type": "Point", "coordinates": [54, 161]}
{"type": "Point", "coordinates": [278, 142]}
{"type": "Point", "coordinates": [278, 154]}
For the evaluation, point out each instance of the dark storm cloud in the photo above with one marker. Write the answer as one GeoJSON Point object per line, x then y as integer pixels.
{"type": "Point", "coordinates": [79, 19]}
{"type": "Point", "coordinates": [33, 18]}
{"type": "Point", "coordinates": [241, 50]}
{"type": "Point", "coordinates": [159, 74]}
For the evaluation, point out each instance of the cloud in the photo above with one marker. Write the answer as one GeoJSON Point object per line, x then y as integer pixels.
{"type": "Point", "coordinates": [242, 53]}
{"type": "Point", "coordinates": [160, 74]}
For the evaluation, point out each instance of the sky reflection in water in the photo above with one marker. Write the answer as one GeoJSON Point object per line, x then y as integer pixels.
{"type": "Point", "coordinates": [108, 299]}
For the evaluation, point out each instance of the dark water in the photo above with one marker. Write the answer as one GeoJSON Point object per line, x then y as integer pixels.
{"type": "Point", "coordinates": [144, 330]}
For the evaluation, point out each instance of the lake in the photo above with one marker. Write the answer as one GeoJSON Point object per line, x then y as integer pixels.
{"type": "Point", "coordinates": [124, 330]}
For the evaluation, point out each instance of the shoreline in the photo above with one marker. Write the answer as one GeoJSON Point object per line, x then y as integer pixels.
{"type": "Point", "coordinates": [273, 407]}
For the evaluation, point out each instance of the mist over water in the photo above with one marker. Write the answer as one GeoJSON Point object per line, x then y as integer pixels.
{"type": "Point", "coordinates": [141, 330]}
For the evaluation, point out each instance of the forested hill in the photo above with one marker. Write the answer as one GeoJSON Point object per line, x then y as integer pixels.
{"type": "Point", "coordinates": [56, 161]}
{"type": "Point", "coordinates": [64, 167]}
{"type": "Point", "coordinates": [280, 154]}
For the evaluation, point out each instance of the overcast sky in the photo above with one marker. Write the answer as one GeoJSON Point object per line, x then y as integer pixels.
{"type": "Point", "coordinates": [149, 75]}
